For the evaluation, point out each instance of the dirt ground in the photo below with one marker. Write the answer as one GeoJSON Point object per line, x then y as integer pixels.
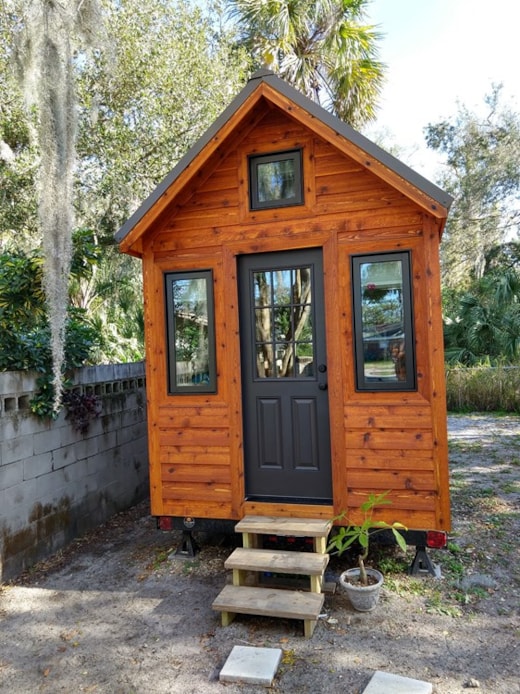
{"type": "Point", "coordinates": [116, 613]}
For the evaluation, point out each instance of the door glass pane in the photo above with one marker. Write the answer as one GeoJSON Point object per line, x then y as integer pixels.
{"type": "Point", "coordinates": [304, 360]}
{"type": "Point", "coordinates": [283, 323]}
{"type": "Point", "coordinates": [263, 288]}
{"type": "Point", "coordinates": [282, 286]}
{"type": "Point", "coordinates": [382, 317]}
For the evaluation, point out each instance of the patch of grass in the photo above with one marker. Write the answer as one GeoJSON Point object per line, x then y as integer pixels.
{"type": "Point", "coordinates": [404, 585]}
{"type": "Point", "coordinates": [189, 566]}
{"type": "Point", "coordinates": [453, 565]}
{"type": "Point", "coordinates": [483, 389]}
{"type": "Point", "coordinates": [465, 446]}
{"type": "Point", "coordinates": [471, 596]}
{"type": "Point", "coordinates": [390, 565]}
{"type": "Point", "coordinates": [510, 487]}
{"type": "Point", "coordinates": [437, 604]}
{"type": "Point", "coordinates": [160, 558]}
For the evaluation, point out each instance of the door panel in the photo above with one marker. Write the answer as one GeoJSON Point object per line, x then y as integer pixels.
{"type": "Point", "coordinates": [284, 377]}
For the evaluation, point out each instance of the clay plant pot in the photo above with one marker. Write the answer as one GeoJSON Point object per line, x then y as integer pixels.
{"type": "Point", "coordinates": [363, 598]}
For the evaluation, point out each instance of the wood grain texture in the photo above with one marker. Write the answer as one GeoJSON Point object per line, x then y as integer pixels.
{"type": "Point", "coordinates": [379, 441]}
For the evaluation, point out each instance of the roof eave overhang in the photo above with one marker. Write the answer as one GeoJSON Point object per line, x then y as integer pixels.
{"type": "Point", "coordinates": [187, 167]}
{"type": "Point", "coordinates": [428, 196]}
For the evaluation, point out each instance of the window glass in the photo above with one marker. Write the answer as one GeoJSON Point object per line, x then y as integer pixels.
{"type": "Point", "coordinates": [275, 180]}
{"type": "Point", "coordinates": [283, 323]}
{"type": "Point", "coordinates": [383, 322]}
{"type": "Point", "coordinates": [191, 345]}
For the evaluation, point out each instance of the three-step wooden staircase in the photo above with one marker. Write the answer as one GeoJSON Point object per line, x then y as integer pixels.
{"type": "Point", "coordinates": [240, 598]}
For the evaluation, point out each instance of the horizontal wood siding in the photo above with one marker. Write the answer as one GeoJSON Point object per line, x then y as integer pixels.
{"type": "Point", "coordinates": [379, 440]}
{"type": "Point", "coordinates": [195, 458]}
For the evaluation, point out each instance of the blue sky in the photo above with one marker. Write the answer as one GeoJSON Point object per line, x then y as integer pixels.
{"type": "Point", "coordinates": [439, 53]}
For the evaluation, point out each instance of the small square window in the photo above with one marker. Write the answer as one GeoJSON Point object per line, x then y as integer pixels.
{"type": "Point", "coordinates": [275, 180]}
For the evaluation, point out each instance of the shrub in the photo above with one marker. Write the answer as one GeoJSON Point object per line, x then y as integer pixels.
{"type": "Point", "coordinates": [483, 388]}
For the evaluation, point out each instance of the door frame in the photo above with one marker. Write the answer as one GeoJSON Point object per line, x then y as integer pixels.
{"type": "Point", "coordinates": [245, 303]}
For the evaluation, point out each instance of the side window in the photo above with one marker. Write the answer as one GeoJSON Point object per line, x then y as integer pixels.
{"type": "Point", "coordinates": [276, 180]}
{"type": "Point", "coordinates": [190, 332]}
{"type": "Point", "coordinates": [383, 322]}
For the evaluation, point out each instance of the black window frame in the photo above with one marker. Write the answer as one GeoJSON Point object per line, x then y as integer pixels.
{"type": "Point", "coordinates": [190, 388]}
{"type": "Point", "coordinates": [254, 160]}
{"type": "Point", "coordinates": [362, 382]}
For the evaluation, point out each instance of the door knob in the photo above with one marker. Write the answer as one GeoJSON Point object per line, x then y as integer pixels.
{"type": "Point", "coordinates": [322, 386]}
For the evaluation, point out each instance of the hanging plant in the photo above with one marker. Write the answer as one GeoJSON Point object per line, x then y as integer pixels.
{"type": "Point", "coordinates": [81, 409]}
{"type": "Point", "coordinates": [374, 293]}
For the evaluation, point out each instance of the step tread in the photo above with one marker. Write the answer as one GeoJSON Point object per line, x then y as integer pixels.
{"type": "Point", "coordinates": [269, 602]}
{"type": "Point", "coordinates": [284, 527]}
{"type": "Point", "coordinates": [278, 561]}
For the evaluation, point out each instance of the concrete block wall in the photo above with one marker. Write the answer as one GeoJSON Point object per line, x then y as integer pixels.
{"type": "Point", "coordinates": [56, 483]}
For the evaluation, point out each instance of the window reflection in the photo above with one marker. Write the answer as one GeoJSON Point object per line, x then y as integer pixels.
{"type": "Point", "coordinates": [383, 322]}
{"type": "Point", "coordinates": [283, 323]}
{"type": "Point", "coordinates": [276, 180]}
{"type": "Point", "coordinates": [190, 331]}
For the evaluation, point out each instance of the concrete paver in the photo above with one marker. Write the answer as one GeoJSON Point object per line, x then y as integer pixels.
{"type": "Point", "coordinates": [252, 665]}
{"type": "Point", "coordinates": [386, 683]}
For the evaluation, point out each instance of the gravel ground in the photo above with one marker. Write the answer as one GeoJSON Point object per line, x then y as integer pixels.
{"type": "Point", "coordinates": [117, 613]}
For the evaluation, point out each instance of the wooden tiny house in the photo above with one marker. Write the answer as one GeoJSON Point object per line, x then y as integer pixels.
{"type": "Point", "coordinates": [293, 321]}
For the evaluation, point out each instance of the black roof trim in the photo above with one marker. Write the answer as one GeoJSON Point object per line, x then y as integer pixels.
{"type": "Point", "coordinates": [315, 110]}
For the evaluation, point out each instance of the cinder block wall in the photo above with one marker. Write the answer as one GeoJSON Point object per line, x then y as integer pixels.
{"type": "Point", "coordinates": [56, 483]}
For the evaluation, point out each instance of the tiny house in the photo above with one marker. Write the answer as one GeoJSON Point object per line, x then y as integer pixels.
{"type": "Point", "coordinates": [294, 346]}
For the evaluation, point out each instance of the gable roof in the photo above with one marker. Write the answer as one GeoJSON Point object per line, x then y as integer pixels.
{"type": "Point", "coordinates": [265, 83]}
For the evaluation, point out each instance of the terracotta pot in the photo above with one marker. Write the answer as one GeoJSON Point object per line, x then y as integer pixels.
{"type": "Point", "coordinates": [363, 598]}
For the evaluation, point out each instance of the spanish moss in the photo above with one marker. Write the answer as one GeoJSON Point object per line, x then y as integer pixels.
{"type": "Point", "coordinates": [45, 62]}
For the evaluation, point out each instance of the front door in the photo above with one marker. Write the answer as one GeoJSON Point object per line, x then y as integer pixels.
{"type": "Point", "coordinates": [284, 377]}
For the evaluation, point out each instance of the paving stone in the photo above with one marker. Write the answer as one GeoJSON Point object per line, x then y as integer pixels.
{"type": "Point", "coordinates": [386, 683]}
{"type": "Point", "coordinates": [252, 665]}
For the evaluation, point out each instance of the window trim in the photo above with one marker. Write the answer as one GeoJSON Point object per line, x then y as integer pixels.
{"type": "Point", "coordinates": [362, 383]}
{"type": "Point", "coordinates": [191, 388]}
{"type": "Point", "coordinates": [254, 160]}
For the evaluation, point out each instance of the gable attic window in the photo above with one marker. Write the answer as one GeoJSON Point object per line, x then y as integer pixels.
{"type": "Point", "coordinates": [276, 180]}
{"type": "Point", "coordinates": [190, 332]}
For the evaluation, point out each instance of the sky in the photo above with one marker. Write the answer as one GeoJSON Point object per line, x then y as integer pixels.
{"type": "Point", "coordinates": [441, 53]}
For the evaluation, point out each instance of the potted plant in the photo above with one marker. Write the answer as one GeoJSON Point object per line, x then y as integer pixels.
{"type": "Point", "coordinates": [363, 584]}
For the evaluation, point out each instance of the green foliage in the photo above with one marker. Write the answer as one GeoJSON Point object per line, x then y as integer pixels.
{"type": "Point", "coordinates": [483, 323]}
{"type": "Point", "coordinates": [482, 172]}
{"type": "Point", "coordinates": [24, 329]}
{"type": "Point", "coordinates": [483, 388]}
{"type": "Point", "coordinates": [362, 533]}
{"type": "Point", "coordinates": [167, 70]}
{"type": "Point", "coordinates": [324, 48]}
{"type": "Point", "coordinates": [143, 103]}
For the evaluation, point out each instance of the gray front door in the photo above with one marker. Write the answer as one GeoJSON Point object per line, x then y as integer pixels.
{"type": "Point", "coordinates": [284, 377]}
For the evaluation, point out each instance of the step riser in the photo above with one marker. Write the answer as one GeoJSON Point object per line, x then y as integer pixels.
{"type": "Point", "coordinates": [302, 563]}
{"type": "Point", "coordinates": [272, 602]}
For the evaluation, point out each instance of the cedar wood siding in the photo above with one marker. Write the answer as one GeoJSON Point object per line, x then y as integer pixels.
{"type": "Point", "coordinates": [379, 441]}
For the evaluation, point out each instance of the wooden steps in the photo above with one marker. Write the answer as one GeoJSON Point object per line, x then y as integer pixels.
{"type": "Point", "coordinates": [240, 598]}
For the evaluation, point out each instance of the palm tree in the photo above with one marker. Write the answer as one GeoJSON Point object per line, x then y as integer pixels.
{"type": "Point", "coordinates": [486, 326]}
{"type": "Point", "coordinates": [321, 47]}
